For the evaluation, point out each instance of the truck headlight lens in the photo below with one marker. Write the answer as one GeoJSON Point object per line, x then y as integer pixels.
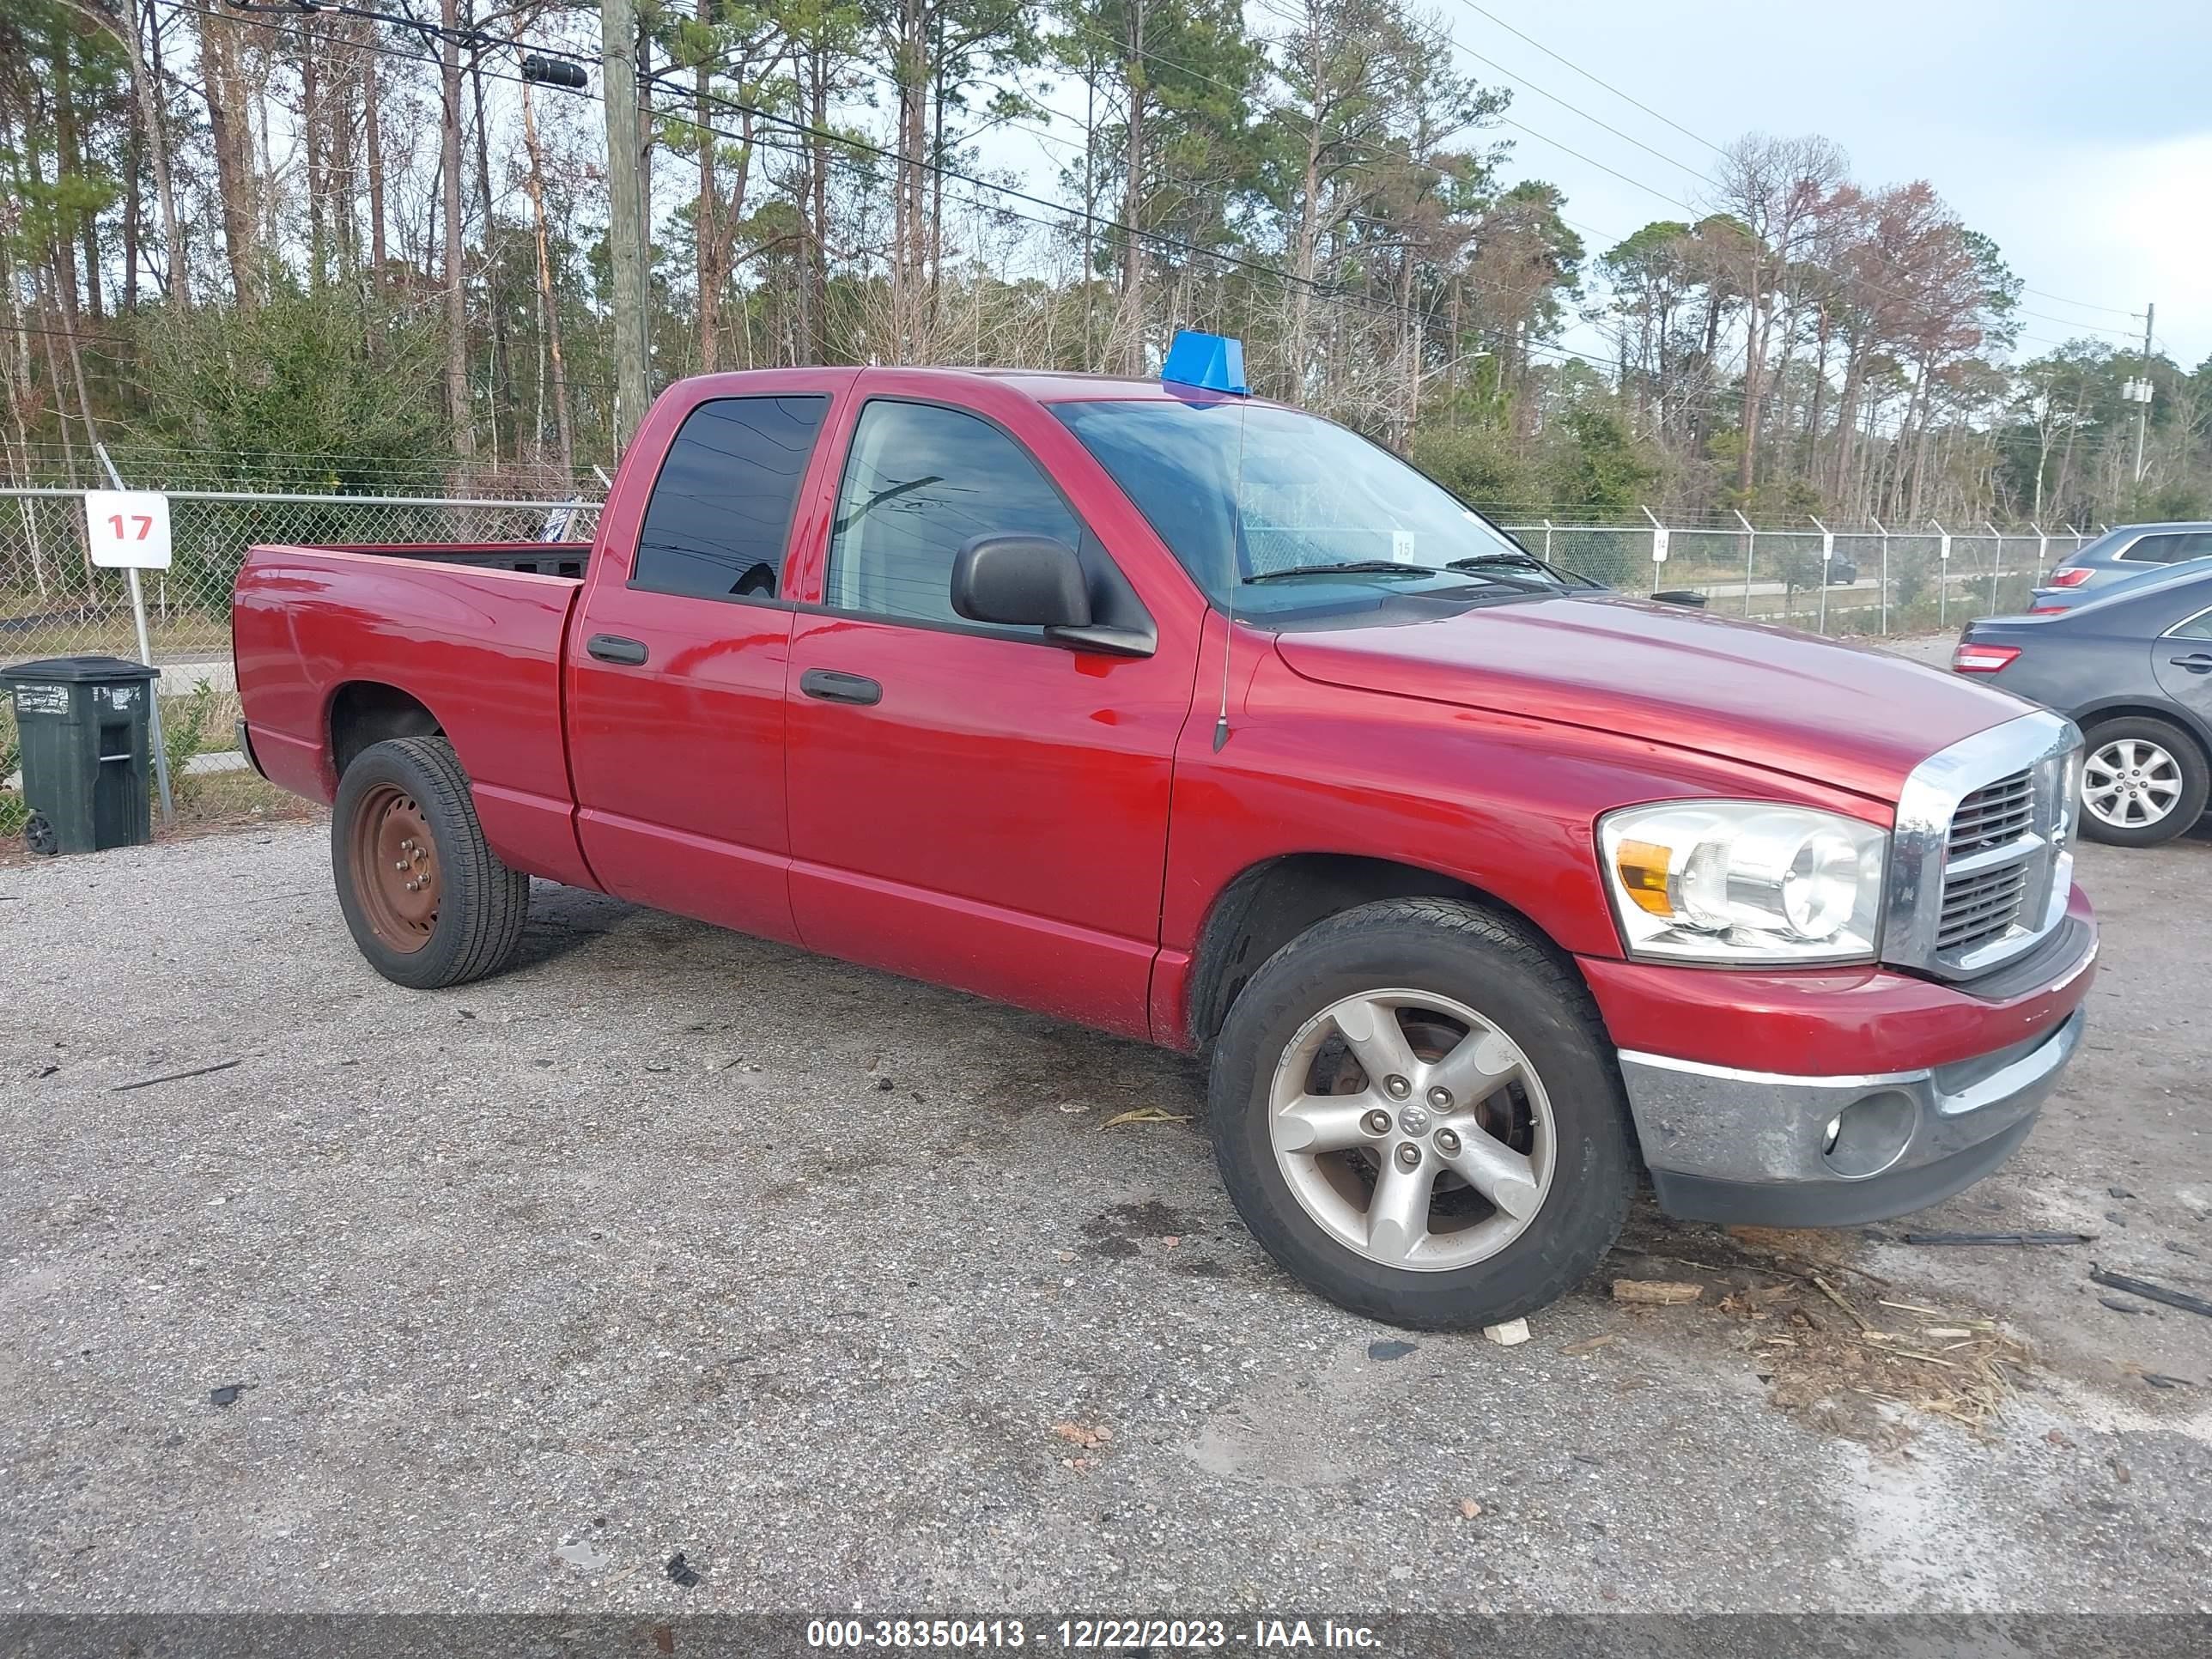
{"type": "Point", "coordinates": [1744, 882]}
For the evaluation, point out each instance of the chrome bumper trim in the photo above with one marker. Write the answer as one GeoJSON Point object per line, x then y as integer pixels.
{"type": "Point", "coordinates": [1768, 1128]}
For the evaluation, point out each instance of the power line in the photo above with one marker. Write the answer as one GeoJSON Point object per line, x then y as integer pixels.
{"type": "Point", "coordinates": [1594, 79]}
{"type": "Point", "coordinates": [2084, 305]}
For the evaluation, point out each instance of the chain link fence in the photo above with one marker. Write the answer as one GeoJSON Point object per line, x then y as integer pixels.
{"type": "Point", "coordinates": [53, 602]}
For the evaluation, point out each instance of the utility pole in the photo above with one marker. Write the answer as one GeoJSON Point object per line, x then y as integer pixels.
{"type": "Point", "coordinates": [2142, 397]}
{"type": "Point", "coordinates": [626, 216]}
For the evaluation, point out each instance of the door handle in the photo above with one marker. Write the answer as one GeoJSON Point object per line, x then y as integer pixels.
{"type": "Point", "coordinates": [2196, 662]}
{"type": "Point", "coordinates": [612, 648]}
{"type": "Point", "coordinates": [830, 686]}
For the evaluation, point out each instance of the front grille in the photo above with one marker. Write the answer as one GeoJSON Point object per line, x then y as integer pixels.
{"type": "Point", "coordinates": [1994, 814]}
{"type": "Point", "coordinates": [1979, 908]}
{"type": "Point", "coordinates": [1979, 865]}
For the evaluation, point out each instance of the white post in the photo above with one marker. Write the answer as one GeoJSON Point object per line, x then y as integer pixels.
{"type": "Point", "coordinates": [2079, 538]}
{"type": "Point", "coordinates": [1997, 566]}
{"type": "Point", "coordinates": [1547, 541]}
{"type": "Point", "coordinates": [2042, 552]}
{"type": "Point", "coordinates": [1827, 556]}
{"type": "Point", "coordinates": [146, 656]}
{"type": "Point", "coordinates": [1884, 534]}
{"type": "Point", "coordinates": [1750, 554]}
{"type": "Point", "coordinates": [1658, 546]}
{"type": "Point", "coordinates": [1943, 574]}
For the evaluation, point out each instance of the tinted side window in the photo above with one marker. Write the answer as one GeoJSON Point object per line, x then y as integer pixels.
{"type": "Point", "coordinates": [920, 481]}
{"type": "Point", "coordinates": [2157, 549]}
{"type": "Point", "coordinates": [720, 514]}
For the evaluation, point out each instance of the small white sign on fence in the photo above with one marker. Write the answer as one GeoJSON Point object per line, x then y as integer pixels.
{"type": "Point", "coordinates": [129, 529]}
{"type": "Point", "coordinates": [1828, 546]}
{"type": "Point", "coordinates": [1659, 543]}
{"type": "Point", "coordinates": [1943, 545]}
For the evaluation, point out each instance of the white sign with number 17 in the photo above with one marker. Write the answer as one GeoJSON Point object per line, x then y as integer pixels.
{"type": "Point", "coordinates": [129, 529]}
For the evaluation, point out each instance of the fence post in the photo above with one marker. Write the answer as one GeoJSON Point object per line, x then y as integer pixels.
{"type": "Point", "coordinates": [1943, 574]}
{"type": "Point", "coordinates": [1547, 541]}
{"type": "Point", "coordinates": [1827, 553]}
{"type": "Point", "coordinates": [1750, 553]}
{"type": "Point", "coordinates": [2079, 538]}
{"type": "Point", "coordinates": [146, 656]}
{"type": "Point", "coordinates": [1658, 546]}
{"type": "Point", "coordinates": [1997, 567]}
{"type": "Point", "coordinates": [2042, 552]}
{"type": "Point", "coordinates": [1884, 534]}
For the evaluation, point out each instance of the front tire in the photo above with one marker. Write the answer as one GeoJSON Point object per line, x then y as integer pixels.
{"type": "Point", "coordinates": [1415, 1110]}
{"type": "Point", "coordinates": [2143, 782]}
{"type": "Point", "coordinates": [427, 901]}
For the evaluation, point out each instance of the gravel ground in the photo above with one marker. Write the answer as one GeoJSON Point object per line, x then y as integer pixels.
{"type": "Point", "coordinates": [668, 1240]}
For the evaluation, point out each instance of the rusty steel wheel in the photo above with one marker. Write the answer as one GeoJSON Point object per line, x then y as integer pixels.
{"type": "Point", "coordinates": [426, 900]}
{"type": "Point", "coordinates": [395, 868]}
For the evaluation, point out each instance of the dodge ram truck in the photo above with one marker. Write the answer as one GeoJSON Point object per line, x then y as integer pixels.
{"type": "Point", "coordinates": [1188, 716]}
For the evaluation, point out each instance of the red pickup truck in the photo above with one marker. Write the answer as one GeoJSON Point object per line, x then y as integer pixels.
{"type": "Point", "coordinates": [1197, 718]}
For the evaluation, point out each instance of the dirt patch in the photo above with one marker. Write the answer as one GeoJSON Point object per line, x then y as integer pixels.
{"type": "Point", "coordinates": [1830, 1340]}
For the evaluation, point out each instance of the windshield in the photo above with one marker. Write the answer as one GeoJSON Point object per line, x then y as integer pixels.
{"type": "Point", "coordinates": [1274, 504]}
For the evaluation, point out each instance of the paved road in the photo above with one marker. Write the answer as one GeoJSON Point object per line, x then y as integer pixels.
{"type": "Point", "coordinates": [668, 1239]}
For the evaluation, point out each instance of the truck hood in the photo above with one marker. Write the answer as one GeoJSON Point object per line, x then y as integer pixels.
{"type": "Point", "coordinates": [1841, 715]}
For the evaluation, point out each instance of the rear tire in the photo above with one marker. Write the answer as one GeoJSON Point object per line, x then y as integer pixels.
{"type": "Point", "coordinates": [429, 904]}
{"type": "Point", "coordinates": [2164, 767]}
{"type": "Point", "coordinates": [1549, 1169]}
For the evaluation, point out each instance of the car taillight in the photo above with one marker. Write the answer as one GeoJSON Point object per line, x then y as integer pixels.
{"type": "Point", "coordinates": [1969, 658]}
{"type": "Point", "coordinates": [2046, 610]}
{"type": "Point", "coordinates": [2072, 576]}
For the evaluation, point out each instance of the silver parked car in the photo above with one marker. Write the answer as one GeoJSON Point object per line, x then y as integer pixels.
{"type": "Point", "coordinates": [2128, 550]}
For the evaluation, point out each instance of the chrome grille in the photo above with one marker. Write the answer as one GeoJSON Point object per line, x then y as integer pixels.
{"type": "Point", "coordinates": [1980, 868]}
{"type": "Point", "coordinates": [1994, 814]}
{"type": "Point", "coordinates": [1979, 908]}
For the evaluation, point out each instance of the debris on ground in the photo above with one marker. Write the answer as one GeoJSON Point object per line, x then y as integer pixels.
{"type": "Point", "coordinates": [176, 1077]}
{"type": "Point", "coordinates": [1089, 1438]}
{"type": "Point", "coordinates": [2118, 1306]}
{"type": "Point", "coordinates": [583, 1554]}
{"type": "Point", "coordinates": [680, 1572]}
{"type": "Point", "coordinates": [2160, 1380]}
{"type": "Point", "coordinates": [227, 1395]}
{"type": "Point", "coordinates": [1469, 1509]}
{"type": "Point", "coordinates": [1390, 1349]}
{"type": "Point", "coordinates": [2151, 1292]}
{"type": "Point", "coordinates": [1590, 1344]}
{"type": "Point", "coordinates": [1511, 1334]}
{"type": "Point", "coordinates": [2015, 1239]}
{"type": "Point", "coordinates": [1656, 1292]}
{"type": "Point", "coordinates": [1144, 1115]}
{"type": "Point", "coordinates": [885, 1085]}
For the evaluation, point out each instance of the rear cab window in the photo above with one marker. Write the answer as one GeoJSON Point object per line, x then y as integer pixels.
{"type": "Point", "coordinates": [718, 523]}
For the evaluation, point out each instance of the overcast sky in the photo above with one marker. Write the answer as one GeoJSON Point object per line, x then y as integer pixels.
{"type": "Point", "coordinates": [2079, 136]}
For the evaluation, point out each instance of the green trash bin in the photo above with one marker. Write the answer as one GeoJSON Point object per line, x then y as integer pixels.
{"type": "Point", "coordinates": [85, 727]}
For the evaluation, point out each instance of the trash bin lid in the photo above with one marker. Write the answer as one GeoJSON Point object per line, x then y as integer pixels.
{"type": "Point", "coordinates": [93, 671]}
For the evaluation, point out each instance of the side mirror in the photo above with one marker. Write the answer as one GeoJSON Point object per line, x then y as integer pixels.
{"type": "Point", "coordinates": [1684, 595]}
{"type": "Point", "coordinates": [1023, 581]}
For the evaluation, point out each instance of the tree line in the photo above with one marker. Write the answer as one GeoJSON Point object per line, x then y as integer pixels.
{"type": "Point", "coordinates": [366, 247]}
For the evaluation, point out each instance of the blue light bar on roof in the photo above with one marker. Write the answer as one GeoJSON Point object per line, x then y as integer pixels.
{"type": "Point", "coordinates": [1212, 363]}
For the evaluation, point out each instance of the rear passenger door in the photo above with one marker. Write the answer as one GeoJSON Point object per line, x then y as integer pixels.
{"type": "Point", "coordinates": [676, 670]}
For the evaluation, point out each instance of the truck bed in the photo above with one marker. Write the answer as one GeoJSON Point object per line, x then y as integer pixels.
{"type": "Point", "coordinates": [473, 632]}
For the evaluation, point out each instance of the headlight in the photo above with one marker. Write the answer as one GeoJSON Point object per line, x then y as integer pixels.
{"type": "Point", "coordinates": [1744, 881]}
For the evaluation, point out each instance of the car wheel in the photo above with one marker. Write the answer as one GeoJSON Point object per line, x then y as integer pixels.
{"type": "Point", "coordinates": [427, 901]}
{"type": "Point", "coordinates": [1416, 1111]}
{"type": "Point", "coordinates": [2143, 781]}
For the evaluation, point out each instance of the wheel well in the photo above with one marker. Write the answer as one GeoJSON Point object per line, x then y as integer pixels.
{"type": "Point", "coordinates": [1269, 905]}
{"type": "Point", "coordinates": [364, 712]}
{"type": "Point", "coordinates": [2129, 711]}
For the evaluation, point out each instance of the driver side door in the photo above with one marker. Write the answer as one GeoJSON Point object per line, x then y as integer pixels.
{"type": "Point", "coordinates": [971, 804]}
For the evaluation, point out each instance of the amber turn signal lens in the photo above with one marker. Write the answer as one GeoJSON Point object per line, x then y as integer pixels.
{"type": "Point", "coordinates": [1643, 866]}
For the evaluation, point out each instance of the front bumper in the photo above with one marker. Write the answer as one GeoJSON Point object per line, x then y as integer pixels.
{"type": "Point", "coordinates": [1835, 1149]}
{"type": "Point", "coordinates": [1758, 1147]}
